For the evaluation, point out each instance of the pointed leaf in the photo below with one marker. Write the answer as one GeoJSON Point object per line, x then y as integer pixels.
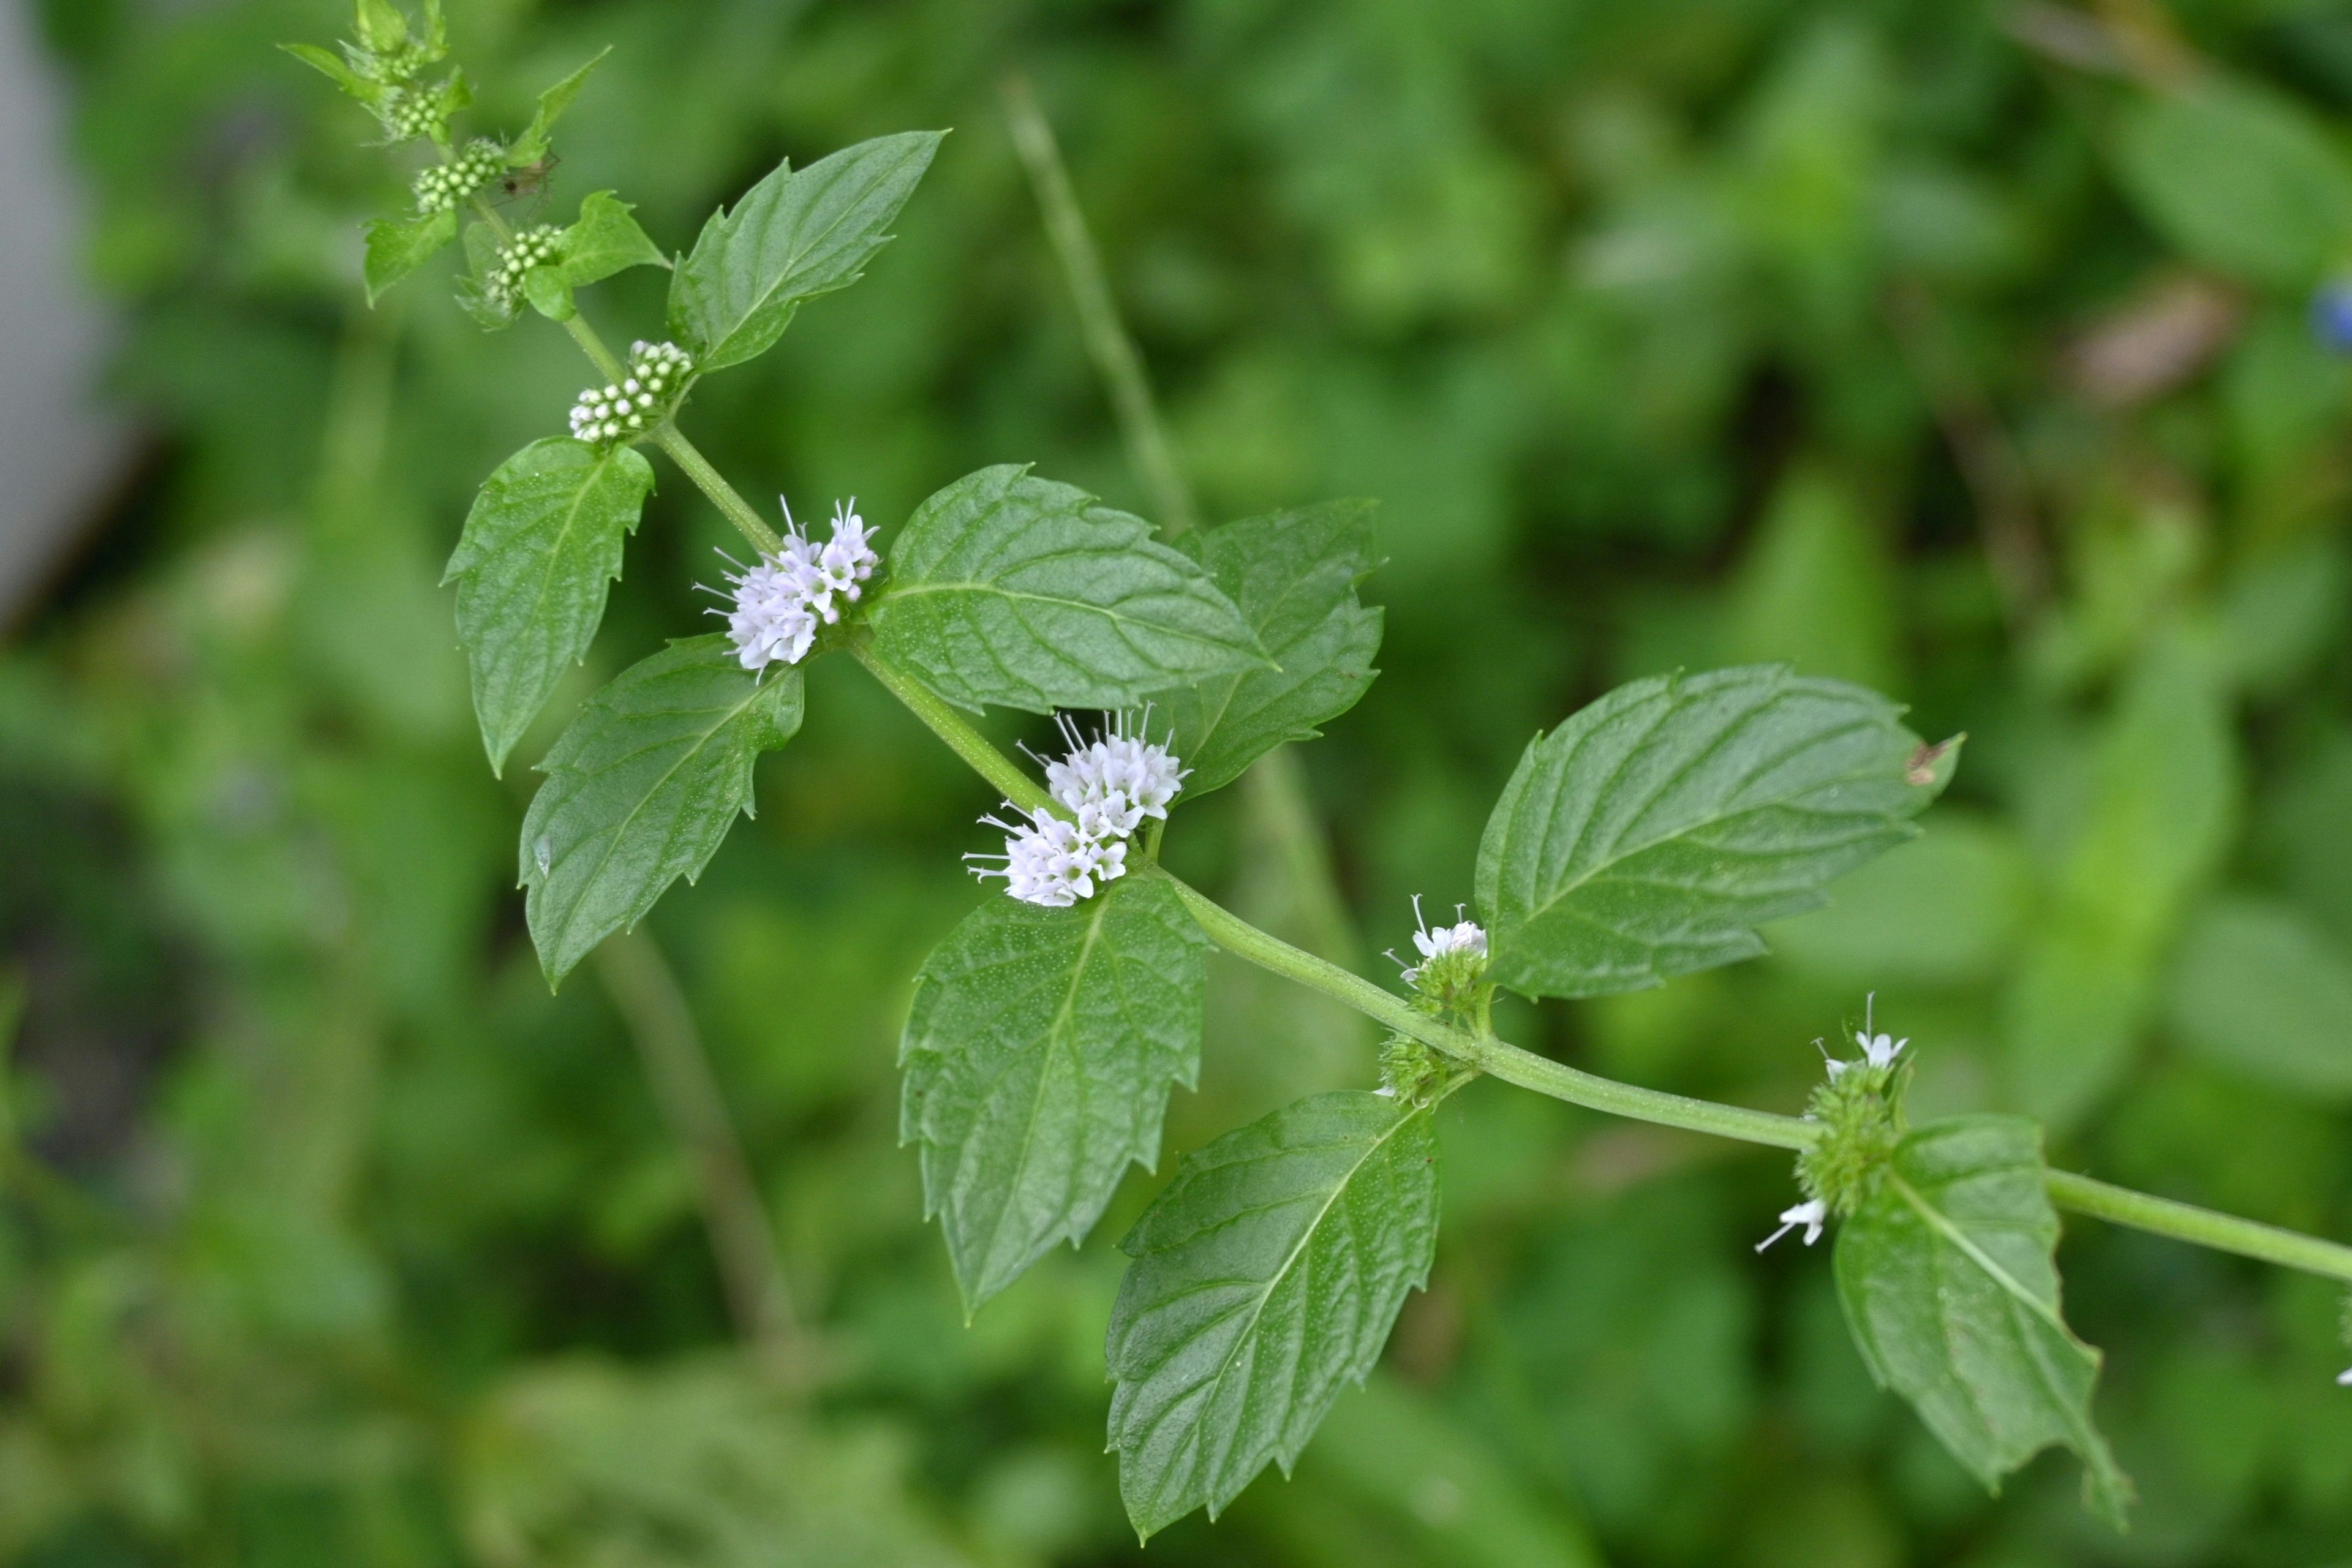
{"type": "Point", "coordinates": [1949, 1287]}
{"type": "Point", "coordinates": [606, 240]}
{"type": "Point", "coordinates": [2242, 177]}
{"type": "Point", "coordinates": [642, 788]}
{"type": "Point", "coordinates": [549, 294]}
{"type": "Point", "coordinates": [541, 546]}
{"type": "Point", "coordinates": [1039, 1054]}
{"type": "Point", "coordinates": [1019, 591]}
{"type": "Point", "coordinates": [1265, 1276]}
{"type": "Point", "coordinates": [337, 69]}
{"type": "Point", "coordinates": [1293, 576]}
{"type": "Point", "coordinates": [531, 145]}
{"type": "Point", "coordinates": [380, 25]}
{"type": "Point", "coordinates": [1650, 833]}
{"type": "Point", "coordinates": [395, 249]}
{"type": "Point", "coordinates": [791, 237]}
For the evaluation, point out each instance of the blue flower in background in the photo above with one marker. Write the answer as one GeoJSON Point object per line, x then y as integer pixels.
{"type": "Point", "coordinates": [2331, 315]}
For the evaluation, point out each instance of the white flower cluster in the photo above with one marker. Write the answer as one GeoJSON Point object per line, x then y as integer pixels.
{"type": "Point", "coordinates": [781, 599]}
{"type": "Point", "coordinates": [1107, 785]}
{"type": "Point", "coordinates": [655, 374]}
{"type": "Point", "coordinates": [444, 185]}
{"type": "Point", "coordinates": [1464, 936]}
{"type": "Point", "coordinates": [532, 248]}
{"type": "Point", "coordinates": [1878, 1054]}
{"type": "Point", "coordinates": [1878, 1051]}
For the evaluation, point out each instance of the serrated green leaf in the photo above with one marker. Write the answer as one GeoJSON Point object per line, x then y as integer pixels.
{"type": "Point", "coordinates": [531, 145]}
{"type": "Point", "coordinates": [1265, 1276]}
{"type": "Point", "coordinates": [395, 249]}
{"type": "Point", "coordinates": [336, 69]}
{"type": "Point", "coordinates": [1293, 576]}
{"type": "Point", "coordinates": [606, 240]}
{"type": "Point", "coordinates": [1015, 590]}
{"type": "Point", "coordinates": [539, 549]}
{"type": "Point", "coordinates": [2241, 178]}
{"type": "Point", "coordinates": [1038, 1053]}
{"type": "Point", "coordinates": [1946, 1276]}
{"type": "Point", "coordinates": [1649, 834]}
{"type": "Point", "coordinates": [643, 787]}
{"type": "Point", "coordinates": [791, 237]}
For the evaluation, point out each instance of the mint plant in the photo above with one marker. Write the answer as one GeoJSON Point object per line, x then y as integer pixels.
{"type": "Point", "coordinates": [1647, 836]}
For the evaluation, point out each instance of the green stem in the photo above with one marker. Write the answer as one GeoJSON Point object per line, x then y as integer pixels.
{"type": "Point", "coordinates": [2187, 1222]}
{"type": "Point", "coordinates": [669, 438]}
{"type": "Point", "coordinates": [706, 479]}
{"type": "Point", "coordinates": [743, 1240]}
{"type": "Point", "coordinates": [1487, 1053]}
{"type": "Point", "coordinates": [952, 727]}
{"type": "Point", "coordinates": [1148, 449]}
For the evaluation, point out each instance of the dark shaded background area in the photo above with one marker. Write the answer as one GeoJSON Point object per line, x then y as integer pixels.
{"type": "Point", "coordinates": [1964, 351]}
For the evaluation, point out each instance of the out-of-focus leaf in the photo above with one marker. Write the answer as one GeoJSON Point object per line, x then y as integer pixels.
{"type": "Point", "coordinates": [396, 247]}
{"type": "Point", "coordinates": [643, 787]}
{"type": "Point", "coordinates": [1649, 834]}
{"type": "Point", "coordinates": [1943, 910]}
{"type": "Point", "coordinates": [2162, 804]}
{"type": "Point", "coordinates": [1815, 591]}
{"type": "Point", "coordinates": [1418, 1472]}
{"type": "Point", "coordinates": [1293, 576]}
{"type": "Point", "coordinates": [2255, 988]}
{"type": "Point", "coordinates": [696, 1465]}
{"type": "Point", "coordinates": [1265, 1276]}
{"type": "Point", "coordinates": [2239, 179]}
{"type": "Point", "coordinates": [1949, 1284]}
{"type": "Point", "coordinates": [1014, 590]}
{"type": "Point", "coordinates": [1038, 1056]}
{"type": "Point", "coordinates": [542, 545]}
{"type": "Point", "coordinates": [791, 237]}
{"type": "Point", "coordinates": [2279, 612]}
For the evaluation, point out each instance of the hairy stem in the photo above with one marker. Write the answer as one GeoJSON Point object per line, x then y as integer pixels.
{"type": "Point", "coordinates": [706, 479]}
{"type": "Point", "coordinates": [1488, 1054]}
{"type": "Point", "coordinates": [741, 1240]}
{"type": "Point", "coordinates": [1485, 1052]}
{"type": "Point", "coordinates": [952, 726]}
{"type": "Point", "coordinates": [2187, 1222]}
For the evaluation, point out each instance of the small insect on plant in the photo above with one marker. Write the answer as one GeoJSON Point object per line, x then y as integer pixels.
{"type": "Point", "coordinates": [1645, 837]}
{"type": "Point", "coordinates": [529, 180]}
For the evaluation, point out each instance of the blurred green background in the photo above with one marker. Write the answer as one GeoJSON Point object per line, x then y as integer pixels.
{"type": "Point", "coordinates": [1964, 350]}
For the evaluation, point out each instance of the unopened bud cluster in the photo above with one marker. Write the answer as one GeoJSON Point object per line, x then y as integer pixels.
{"type": "Point", "coordinates": [532, 248]}
{"type": "Point", "coordinates": [408, 113]}
{"type": "Point", "coordinates": [444, 185]}
{"type": "Point", "coordinates": [781, 600]}
{"type": "Point", "coordinates": [640, 400]}
{"type": "Point", "coordinates": [1859, 1109]}
{"type": "Point", "coordinates": [1412, 1073]}
{"type": "Point", "coordinates": [1106, 786]}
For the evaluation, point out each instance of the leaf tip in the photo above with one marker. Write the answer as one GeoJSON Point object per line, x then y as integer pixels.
{"type": "Point", "coordinates": [1932, 766]}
